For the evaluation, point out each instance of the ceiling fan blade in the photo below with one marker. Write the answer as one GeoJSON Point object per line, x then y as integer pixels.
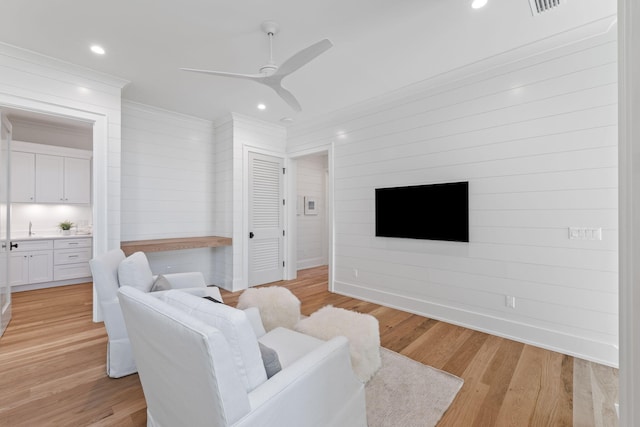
{"type": "Point", "coordinates": [225, 74]}
{"type": "Point", "coordinates": [287, 97]}
{"type": "Point", "coordinates": [303, 57]}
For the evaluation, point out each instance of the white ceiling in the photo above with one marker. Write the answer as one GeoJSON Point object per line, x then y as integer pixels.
{"type": "Point", "coordinates": [379, 45]}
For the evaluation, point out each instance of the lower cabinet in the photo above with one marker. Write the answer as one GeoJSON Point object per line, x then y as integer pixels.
{"type": "Point", "coordinates": [38, 261]}
{"type": "Point", "coordinates": [32, 262]}
{"type": "Point", "coordinates": [71, 258]}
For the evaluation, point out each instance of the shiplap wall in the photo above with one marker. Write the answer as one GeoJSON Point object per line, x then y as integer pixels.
{"type": "Point", "coordinates": [43, 84]}
{"type": "Point", "coordinates": [224, 161]}
{"type": "Point", "coordinates": [248, 134]}
{"type": "Point", "coordinates": [168, 184]}
{"type": "Point", "coordinates": [311, 229]}
{"type": "Point", "coordinates": [536, 137]}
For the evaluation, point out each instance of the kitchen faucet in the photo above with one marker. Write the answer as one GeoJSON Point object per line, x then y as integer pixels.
{"type": "Point", "coordinates": [30, 233]}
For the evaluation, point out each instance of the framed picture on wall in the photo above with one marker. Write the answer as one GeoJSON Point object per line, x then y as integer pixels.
{"type": "Point", "coordinates": [310, 206]}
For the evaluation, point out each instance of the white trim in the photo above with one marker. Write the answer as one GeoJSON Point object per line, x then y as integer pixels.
{"type": "Point", "coordinates": [100, 165]}
{"type": "Point", "coordinates": [629, 208]}
{"type": "Point", "coordinates": [292, 236]}
{"type": "Point", "coordinates": [30, 147]}
{"type": "Point", "coordinates": [599, 352]}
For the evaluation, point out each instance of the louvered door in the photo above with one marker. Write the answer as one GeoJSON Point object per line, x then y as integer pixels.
{"type": "Point", "coordinates": [266, 252]}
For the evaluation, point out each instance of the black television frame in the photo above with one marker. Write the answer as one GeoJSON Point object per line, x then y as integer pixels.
{"type": "Point", "coordinates": [425, 212]}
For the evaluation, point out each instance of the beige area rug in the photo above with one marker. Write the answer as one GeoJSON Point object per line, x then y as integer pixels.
{"type": "Point", "coordinates": [406, 393]}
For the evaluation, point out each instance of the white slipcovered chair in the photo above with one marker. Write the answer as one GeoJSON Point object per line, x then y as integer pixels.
{"type": "Point", "coordinates": [134, 271]}
{"type": "Point", "coordinates": [200, 364]}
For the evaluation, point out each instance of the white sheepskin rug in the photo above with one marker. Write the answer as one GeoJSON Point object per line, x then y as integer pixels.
{"type": "Point", "coordinates": [278, 306]}
{"type": "Point", "coordinates": [360, 329]}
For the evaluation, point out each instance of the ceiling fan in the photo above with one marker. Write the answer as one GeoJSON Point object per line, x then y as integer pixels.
{"type": "Point", "coordinates": [271, 74]}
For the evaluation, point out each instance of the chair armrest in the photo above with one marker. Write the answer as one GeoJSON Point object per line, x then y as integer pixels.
{"type": "Point", "coordinates": [209, 291]}
{"type": "Point", "coordinates": [193, 279]}
{"type": "Point", "coordinates": [253, 314]}
{"type": "Point", "coordinates": [113, 319]}
{"type": "Point", "coordinates": [310, 391]}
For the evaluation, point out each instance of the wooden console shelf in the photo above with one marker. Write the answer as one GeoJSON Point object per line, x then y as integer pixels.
{"type": "Point", "coordinates": [159, 245]}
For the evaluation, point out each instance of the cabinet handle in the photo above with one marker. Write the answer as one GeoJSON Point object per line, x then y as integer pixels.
{"type": "Point", "coordinates": [73, 256]}
{"type": "Point", "coordinates": [72, 243]}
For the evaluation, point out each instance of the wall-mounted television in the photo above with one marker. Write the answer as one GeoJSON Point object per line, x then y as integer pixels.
{"type": "Point", "coordinates": [432, 212]}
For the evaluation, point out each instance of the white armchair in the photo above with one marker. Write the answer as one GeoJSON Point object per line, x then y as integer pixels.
{"type": "Point", "coordinates": [104, 268]}
{"type": "Point", "coordinates": [196, 374]}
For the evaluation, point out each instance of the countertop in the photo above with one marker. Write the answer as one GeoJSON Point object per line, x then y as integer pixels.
{"type": "Point", "coordinates": [47, 236]}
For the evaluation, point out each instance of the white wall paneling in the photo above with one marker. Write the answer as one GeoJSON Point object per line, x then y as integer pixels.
{"type": "Point", "coordinates": [40, 84]}
{"type": "Point", "coordinates": [236, 136]}
{"type": "Point", "coordinates": [534, 131]}
{"type": "Point", "coordinates": [250, 135]}
{"type": "Point", "coordinates": [224, 272]}
{"type": "Point", "coordinates": [168, 185]}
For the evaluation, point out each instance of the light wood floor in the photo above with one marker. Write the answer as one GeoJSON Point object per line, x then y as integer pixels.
{"type": "Point", "coordinates": [52, 366]}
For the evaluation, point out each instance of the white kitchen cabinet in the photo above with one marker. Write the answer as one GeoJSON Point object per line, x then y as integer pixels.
{"type": "Point", "coordinates": [61, 179]}
{"type": "Point", "coordinates": [38, 261]}
{"type": "Point", "coordinates": [23, 169]}
{"type": "Point", "coordinates": [31, 262]}
{"type": "Point", "coordinates": [71, 258]}
{"type": "Point", "coordinates": [77, 180]}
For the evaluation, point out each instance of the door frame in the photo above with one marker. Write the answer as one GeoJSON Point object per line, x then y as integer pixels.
{"type": "Point", "coordinates": [6, 251]}
{"type": "Point", "coordinates": [291, 224]}
{"type": "Point", "coordinates": [99, 164]}
{"type": "Point", "coordinates": [629, 210]}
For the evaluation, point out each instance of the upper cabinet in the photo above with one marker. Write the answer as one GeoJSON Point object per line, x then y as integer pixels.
{"type": "Point", "coordinates": [62, 177]}
{"type": "Point", "coordinates": [23, 177]}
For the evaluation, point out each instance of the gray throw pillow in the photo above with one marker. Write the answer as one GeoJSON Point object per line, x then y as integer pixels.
{"type": "Point", "coordinates": [270, 360]}
{"type": "Point", "coordinates": [161, 284]}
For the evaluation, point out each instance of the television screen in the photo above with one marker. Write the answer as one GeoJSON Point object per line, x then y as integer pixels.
{"type": "Point", "coordinates": [432, 212]}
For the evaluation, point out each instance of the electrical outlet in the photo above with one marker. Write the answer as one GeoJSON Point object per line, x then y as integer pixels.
{"type": "Point", "coordinates": [510, 301]}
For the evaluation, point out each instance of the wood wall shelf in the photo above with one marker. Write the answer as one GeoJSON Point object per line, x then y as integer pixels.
{"type": "Point", "coordinates": [159, 245]}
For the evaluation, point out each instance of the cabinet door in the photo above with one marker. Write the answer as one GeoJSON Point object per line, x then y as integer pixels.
{"type": "Point", "coordinates": [49, 178]}
{"type": "Point", "coordinates": [77, 180]}
{"type": "Point", "coordinates": [23, 169]}
{"type": "Point", "coordinates": [40, 267]}
{"type": "Point", "coordinates": [19, 271]}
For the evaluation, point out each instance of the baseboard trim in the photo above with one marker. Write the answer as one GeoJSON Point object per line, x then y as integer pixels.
{"type": "Point", "coordinates": [45, 285]}
{"type": "Point", "coordinates": [560, 342]}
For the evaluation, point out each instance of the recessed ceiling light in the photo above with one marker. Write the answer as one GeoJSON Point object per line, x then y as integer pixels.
{"type": "Point", "coordinates": [97, 49]}
{"type": "Point", "coordinates": [262, 107]}
{"type": "Point", "coordinates": [477, 4]}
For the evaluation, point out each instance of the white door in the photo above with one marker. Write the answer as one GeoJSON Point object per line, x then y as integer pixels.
{"type": "Point", "coordinates": [5, 288]}
{"type": "Point", "coordinates": [266, 219]}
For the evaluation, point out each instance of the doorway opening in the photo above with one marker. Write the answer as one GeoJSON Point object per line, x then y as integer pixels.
{"type": "Point", "coordinates": [311, 186]}
{"type": "Point", "coordinates": [50, 184]}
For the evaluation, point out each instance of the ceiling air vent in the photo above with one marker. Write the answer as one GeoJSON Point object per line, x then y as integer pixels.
{"type": "Point", "coordinates": [539, 6]}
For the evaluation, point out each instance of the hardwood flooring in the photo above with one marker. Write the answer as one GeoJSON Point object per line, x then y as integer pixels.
{"type": "Point", "coordinates": [52, 366]}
